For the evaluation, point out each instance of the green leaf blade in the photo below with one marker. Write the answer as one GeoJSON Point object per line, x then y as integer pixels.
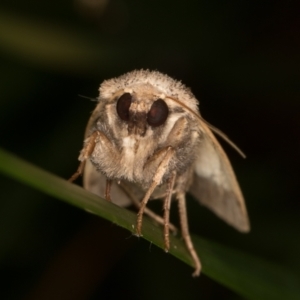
{"type": "Point", "coordinates": [247, 275]}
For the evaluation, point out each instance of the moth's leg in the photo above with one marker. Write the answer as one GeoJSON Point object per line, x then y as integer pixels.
{"type": "Point", "coordinates": [157, 218]}
{"type": "Point", "coordinates": [167, 207]}
{"type": "Point", "coordinates": [89, 145]}
{"type": "Point", "coordinates": [165, 157]}
{"type": "Point", "coordinates": [186, 234]}
{"type": "Point", "coordinates": [88, 148]}
{"type": "Point", "coordinates": [107, 189]}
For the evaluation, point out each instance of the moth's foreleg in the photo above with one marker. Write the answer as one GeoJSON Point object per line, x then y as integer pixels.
{"type": "Point", "coordinates": [186, 234]}
{"type": "Point", "coordinates": [107, 189]}
{"type": "Point", "coordinates": [157, 218]}
{"type": "Point", "coordinates": [88, 148]}
{"type": "Point", "coordinates": [167, 207]}
{"type": "Point", "coordinates": [164, 158]}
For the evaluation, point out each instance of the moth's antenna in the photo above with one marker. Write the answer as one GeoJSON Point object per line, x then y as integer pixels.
{"type": "Point", "coordinates": [92, 99]}
{"type": "Point", "coordinates": [213, 128]}
{"type": "Point", "coordinates": [225, 138]}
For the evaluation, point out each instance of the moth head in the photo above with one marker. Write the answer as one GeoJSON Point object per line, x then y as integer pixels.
{"type": "Point", "coordinates": [144, 103]}
{"type": "Point", "coordinates": [139, 111]}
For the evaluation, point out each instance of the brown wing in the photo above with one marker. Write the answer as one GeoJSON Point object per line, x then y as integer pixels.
{"type": "Point", "coordinates": [215, 184]}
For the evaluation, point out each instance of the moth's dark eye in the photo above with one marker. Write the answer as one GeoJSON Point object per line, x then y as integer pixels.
{"type": "Point", "coordinates": [158, 113]}
{"type": "Point", "coordinates": [123, 105]}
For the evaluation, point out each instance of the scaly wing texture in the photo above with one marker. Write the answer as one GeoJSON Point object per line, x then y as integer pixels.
{"type": "Point", "coordinates": [215, 185]}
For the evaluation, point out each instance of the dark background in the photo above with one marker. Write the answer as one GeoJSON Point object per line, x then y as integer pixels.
{"type": "Point", "coordinates": [241, 60]}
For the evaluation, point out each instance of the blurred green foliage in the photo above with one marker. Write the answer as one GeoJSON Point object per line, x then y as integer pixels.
{"type": "Point", "coordinates": [241, 60]}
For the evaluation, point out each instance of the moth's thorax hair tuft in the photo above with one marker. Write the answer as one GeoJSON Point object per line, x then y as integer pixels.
{"type": "Point", "coordinates": [164, 85]}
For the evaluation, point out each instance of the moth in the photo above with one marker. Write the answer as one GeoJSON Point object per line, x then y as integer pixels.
{"type": "Point", "coordinates": [147, 140]}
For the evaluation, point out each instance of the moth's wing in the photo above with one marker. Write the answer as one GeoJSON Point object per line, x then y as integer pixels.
{"type": "Point", "coordinates": [215, 184]}
{"type": "Point", "coordinates": [95, 182]}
